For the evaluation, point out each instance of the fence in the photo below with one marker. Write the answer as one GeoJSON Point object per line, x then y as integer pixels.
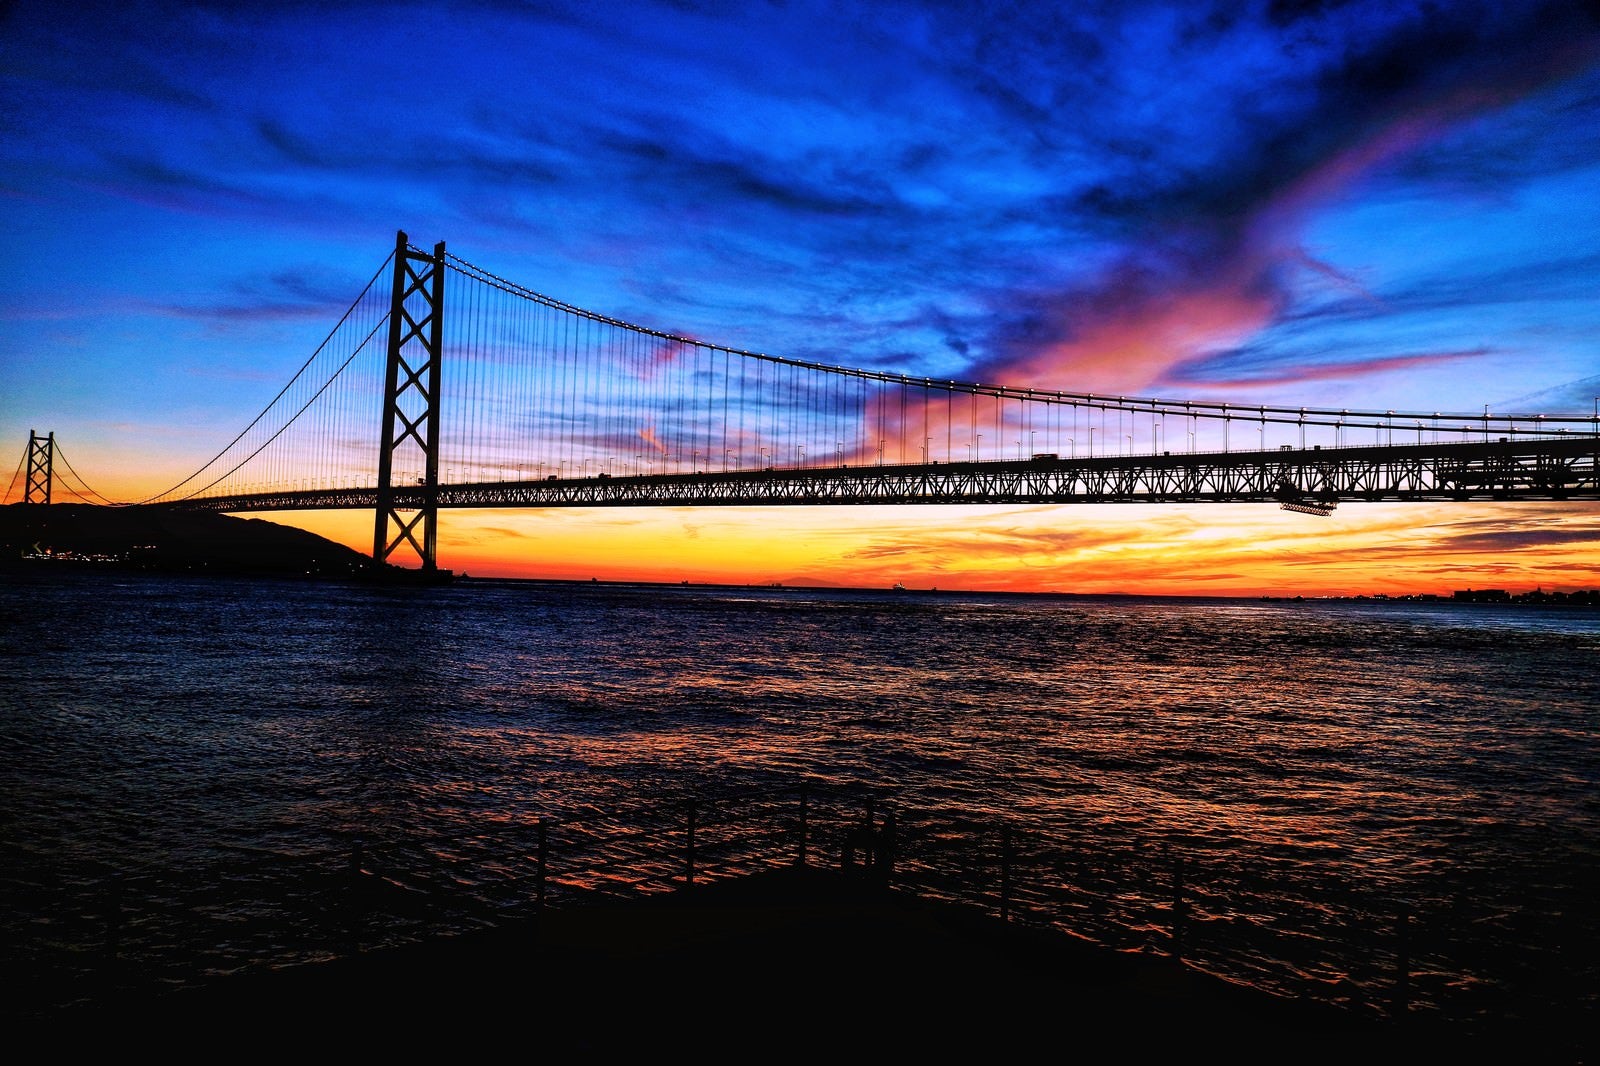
{"type": "Point", "coordinates": [1333, 945]}
{"type": "Point", "coordinates": [1287, 927]}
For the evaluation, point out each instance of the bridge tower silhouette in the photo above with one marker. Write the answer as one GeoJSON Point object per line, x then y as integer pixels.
{"type": "Point", "coordinates": [411, 405]}
{"type": "Point", "coordinates": [41, 459]}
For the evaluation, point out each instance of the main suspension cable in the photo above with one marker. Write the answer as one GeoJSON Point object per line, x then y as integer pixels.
{"type": "Point", "coordinates": [20, 464]}
{"type": "Point", "coordinates": [292, 418]}
{"type": "Point", "coordinates": [1208, 409]}
{"type": "Point", "coordinates": [65, 462]}
{"type": "Point", "coordinates": [331, 334]}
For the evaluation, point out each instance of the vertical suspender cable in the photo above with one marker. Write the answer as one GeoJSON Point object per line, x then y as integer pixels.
{"type": "Point", "coordinates": [569, 375]}
{"type": "Point", "coordinates": [480, 392]}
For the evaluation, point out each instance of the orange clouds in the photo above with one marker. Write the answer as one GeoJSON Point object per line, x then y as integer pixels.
{"type": "Point", "coordinates": [1133, 351]}
{"type": "Point", "coordinates": [648, 435]}
{"type": "Point", "coordinates": [1212, 283]}
{"type": "Point", "coordinates": [1207, 549]}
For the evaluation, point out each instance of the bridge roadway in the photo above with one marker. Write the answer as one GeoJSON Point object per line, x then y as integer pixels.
{"type": "Point", "coordinates": [1314, 479]}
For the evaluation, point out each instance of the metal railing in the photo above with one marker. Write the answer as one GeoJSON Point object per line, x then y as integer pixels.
{"type": "Point", "coordinates": [1286, 928]}
{"type": "Point", "coordinates": [1250, 922]}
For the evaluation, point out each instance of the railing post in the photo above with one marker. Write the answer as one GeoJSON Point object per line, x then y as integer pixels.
{"type": "Point", "coordinates": [1402, 988]}
{"type": "Point", "coordinates": [805, 802]}
{"type": "Point", "coordinates": [1007, 852]}
{"type": "Point", "coordinates": [688, 858]}
{"type": "Point", "coordinates": [354, 901]}
{"type": "Point", "coordinates": [541, 862]}
{"type": "Point", "coordinates": [888, 845]}
{"type": "Point", "coordinates": [1180, 909]}
{"type": "Point", "coordinates": [869, 820]}
{"type": "Point", "coordinates": [114, 917]}
{"type": "Point", "coordinates": [863, 839]}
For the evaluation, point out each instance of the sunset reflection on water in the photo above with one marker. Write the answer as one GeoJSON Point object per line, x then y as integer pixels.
{"type": "Point", "coordinates": [1320, 755]}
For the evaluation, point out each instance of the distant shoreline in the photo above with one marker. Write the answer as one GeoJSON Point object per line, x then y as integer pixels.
{"type": "Point", "coordinates": [1583, 598]}
{"type": "Point", "coordinates": [86, 536]}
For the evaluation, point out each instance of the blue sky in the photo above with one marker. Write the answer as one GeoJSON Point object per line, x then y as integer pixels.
{"type": "Point", "coordinates": [1385, 205]}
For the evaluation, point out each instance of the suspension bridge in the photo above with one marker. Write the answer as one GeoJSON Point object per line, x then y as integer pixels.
{"type": "Point", "coordinates": [453, 387]}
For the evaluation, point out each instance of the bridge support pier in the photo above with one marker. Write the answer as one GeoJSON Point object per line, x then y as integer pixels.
{"type": "Point", "coordinates": [41, 455]}
{"type": "Point", "coordinates": [408, 450]}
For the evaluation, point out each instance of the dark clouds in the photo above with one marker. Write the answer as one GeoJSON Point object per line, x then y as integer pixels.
{"type": "Point", "coordinates": [1507, 536]}
{"type": "Point", "coordinates": [1105, 198]}
{"type": "Point", "coordinates": [1372, 87]}
{"type": "Point", "coordinates": [1241, 372]}
{"type": "Point", "coordinates": [318, 297]}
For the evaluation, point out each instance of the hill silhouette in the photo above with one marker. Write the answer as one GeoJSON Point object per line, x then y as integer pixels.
{"type": "Point", "coordinates": [164, 539]}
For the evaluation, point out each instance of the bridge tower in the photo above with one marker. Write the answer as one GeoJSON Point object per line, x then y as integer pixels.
{"type": "Point", "coordinates": [409, 445]}
{"type": "Point", "coordinates": [41, 455]}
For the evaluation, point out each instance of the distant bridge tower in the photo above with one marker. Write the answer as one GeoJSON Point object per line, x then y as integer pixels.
{"type": "Point", "coordinates": [409, 446]}
{"type": "Point", "coordinates": [41, 454]}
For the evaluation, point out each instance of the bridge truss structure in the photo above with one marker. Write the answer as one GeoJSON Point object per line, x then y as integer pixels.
{"type": "Point", "coordinates": [499, 396]}
{"type": "Point", "coordinates": [1314, 481]}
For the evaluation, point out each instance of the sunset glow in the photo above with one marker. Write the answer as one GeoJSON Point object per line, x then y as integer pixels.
{"type": "Point", "coordinates": [1202, 550]}
{"type": "Point", "coordinates": [1370, 205]}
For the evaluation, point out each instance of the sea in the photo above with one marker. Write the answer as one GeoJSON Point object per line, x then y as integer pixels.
{"type": "Point", "coordinates": [1390, 805]}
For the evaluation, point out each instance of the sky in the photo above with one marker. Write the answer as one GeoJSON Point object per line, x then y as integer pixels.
{"type": "Point", "coordinates": [1376, 205]}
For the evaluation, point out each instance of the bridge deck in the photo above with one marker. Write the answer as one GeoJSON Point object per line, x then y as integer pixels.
{"type": "Point", "coordinates": [1550, 468]}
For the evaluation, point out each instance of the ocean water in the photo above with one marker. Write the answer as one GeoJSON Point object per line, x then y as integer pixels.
{"type": "Point", "coordinates": [1388, 805]}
